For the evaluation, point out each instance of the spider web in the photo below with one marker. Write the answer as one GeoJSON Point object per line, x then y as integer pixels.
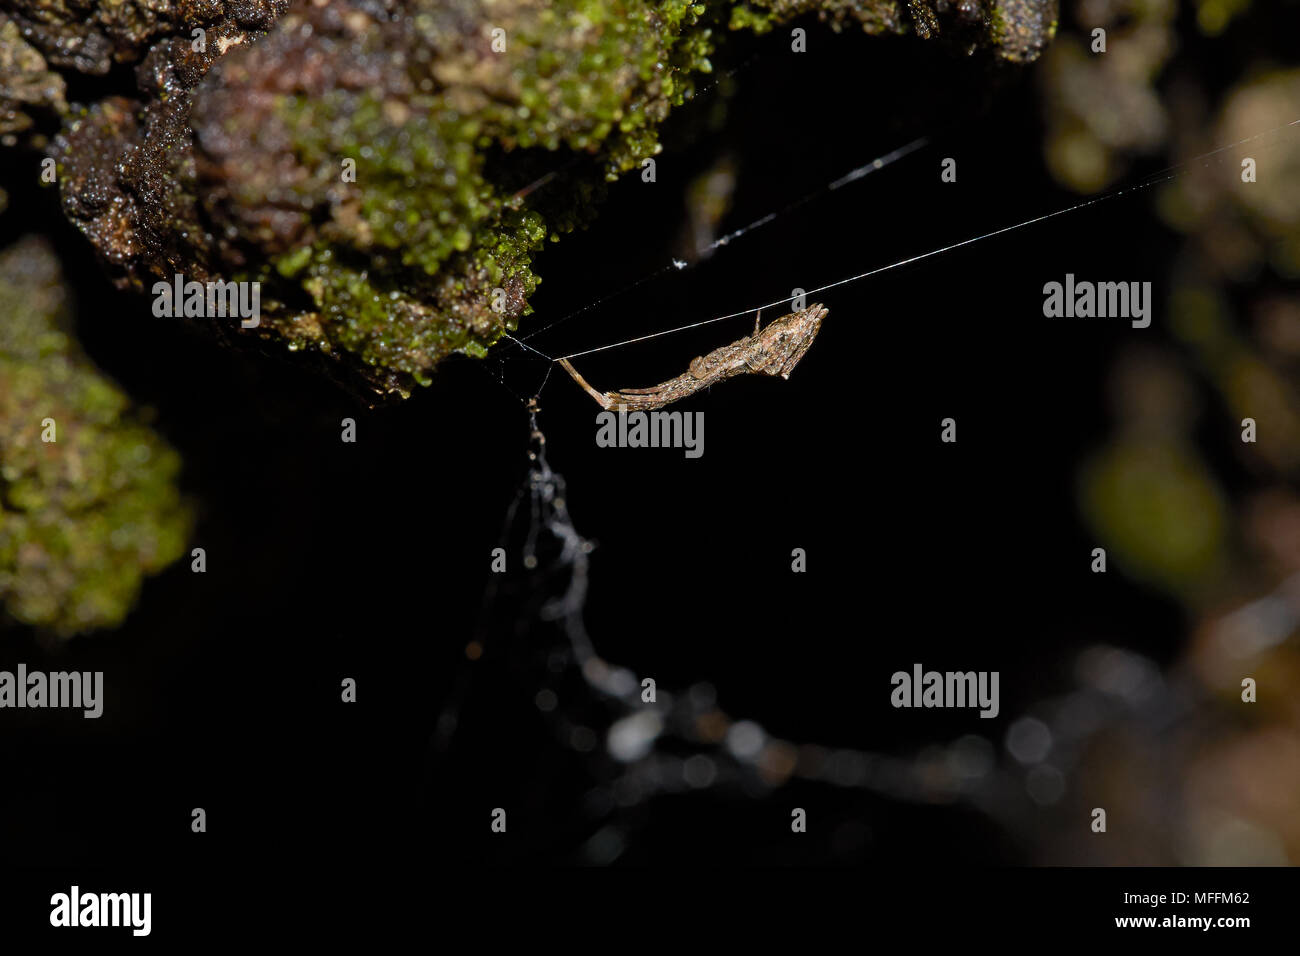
{"type": "Point", "coordinates": [1169, 174]}
{"type": "Point", "coordinates": [684, 740]}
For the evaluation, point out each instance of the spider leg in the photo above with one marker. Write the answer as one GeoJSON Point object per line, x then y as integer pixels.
{"type": "Point", "coordinates": [601, 399]}
{"type": "Point", "coordinates": [793, 360]}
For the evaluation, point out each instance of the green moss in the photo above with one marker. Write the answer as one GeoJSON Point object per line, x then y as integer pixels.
{"type": "Point", "coordinates": [872, 16]}
{"type": "Point", "coordinates": [595, 77]}
{"type": "Point", "coordinates": [83, 518]}
{"type": "Point", "coordinates": [1021, 29]}
{"type": "Point", "coordinates": [390, 177]}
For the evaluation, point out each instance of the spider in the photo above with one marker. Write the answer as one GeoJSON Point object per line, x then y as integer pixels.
{"type": "Point", "coordinates": [774, 350]}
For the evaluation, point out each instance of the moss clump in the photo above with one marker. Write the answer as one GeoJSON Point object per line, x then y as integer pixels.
{"type": "Point", "coordinates": [1023, 28]}
{"type": "Point", "coordinates": [874, 16]}
{"type": "Point", "coordinates": [1017, 30]}
{"type": "Point", "coordinates": [83, 518]}
{"type": "Point", "coordinates": [415, 250]}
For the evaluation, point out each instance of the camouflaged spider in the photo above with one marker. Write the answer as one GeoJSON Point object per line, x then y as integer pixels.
{"type": "Point", "coordinates": [774, 350]}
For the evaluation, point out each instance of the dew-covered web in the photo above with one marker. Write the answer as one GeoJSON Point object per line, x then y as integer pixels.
{"type": "Point", "coordinates": [687, 741]}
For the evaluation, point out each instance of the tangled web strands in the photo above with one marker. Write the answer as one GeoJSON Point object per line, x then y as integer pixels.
{"type": "Point", "coordinates": [684, 742]}
{"type": "Point", "coordinates": [637, 750]}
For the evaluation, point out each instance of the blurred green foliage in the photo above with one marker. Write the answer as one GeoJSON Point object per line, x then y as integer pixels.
{"type": "Point", "coordinates": [85, 517]}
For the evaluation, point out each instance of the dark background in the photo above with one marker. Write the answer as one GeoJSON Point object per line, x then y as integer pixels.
{"type": "Point", "coordinates": [369, 560]}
